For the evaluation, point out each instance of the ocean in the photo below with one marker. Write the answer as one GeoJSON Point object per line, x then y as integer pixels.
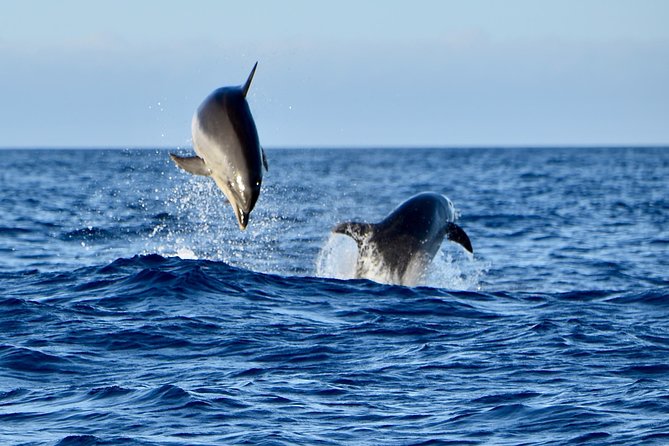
{"type": "Point", "coordinates": [133, 311]}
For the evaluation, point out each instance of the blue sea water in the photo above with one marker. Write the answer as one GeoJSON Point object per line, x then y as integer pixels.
{"type": "Point", "coordinates": [134, 312]}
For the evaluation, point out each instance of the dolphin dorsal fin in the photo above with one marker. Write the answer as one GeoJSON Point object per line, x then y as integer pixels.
{"type": "Point", "coordinates": [359, 232]}
{"type": "Point", "coordinates": [247, 84]}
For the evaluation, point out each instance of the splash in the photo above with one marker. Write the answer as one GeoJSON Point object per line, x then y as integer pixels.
{"type": "Point", "coordinates": [199, 220]}
{"type": "Point", "coordinates": [186, 253]}
{"type": "Point", "coordinates": [451, 268]}
{"type": "Point", "coordinates": [285, 238]}
{"type": "Point", "coordinates": [201, 225]}
{"type": "Point", "coordinates": [338, 258]}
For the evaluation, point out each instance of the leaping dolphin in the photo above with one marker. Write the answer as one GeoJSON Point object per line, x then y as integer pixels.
{"type": "Point", "coordinates": [406, 241]}
{"type": "Point", "coordinates": [226, 141]}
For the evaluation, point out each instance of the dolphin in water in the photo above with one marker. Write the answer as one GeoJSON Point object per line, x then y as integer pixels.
{"type": "Point", "coordinates": [226, 142]}
{"type": "Point", "coordinates": [400, 247]}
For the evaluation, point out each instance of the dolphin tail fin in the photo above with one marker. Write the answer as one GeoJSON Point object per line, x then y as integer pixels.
{"type": "Point", "coordinates": [191, 164]}
{"type": "Point", "coordinates": [247, 84]}
{"type": "Point", "coordinates": [456, 234]}
{"type": "Point", "coordinates": [357, 231]}
{"type": "Point", "coordinates": [264, 159]}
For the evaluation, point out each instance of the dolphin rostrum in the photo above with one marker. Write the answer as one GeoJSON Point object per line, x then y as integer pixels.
{"type": "Point", "coordinates": [401, 246]}
{"type": "Point", "coordinates": [226, 142]}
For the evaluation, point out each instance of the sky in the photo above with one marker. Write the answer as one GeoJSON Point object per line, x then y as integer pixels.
{"type": "Point", "coordinates": [338, 74]}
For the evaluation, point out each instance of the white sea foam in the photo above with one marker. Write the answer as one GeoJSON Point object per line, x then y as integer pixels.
{"type": "Point", "coordinates": [186, 253]}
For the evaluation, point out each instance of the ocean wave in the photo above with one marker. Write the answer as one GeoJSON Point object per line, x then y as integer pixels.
{"type": "Point", "coordinates": [93, 440]}
{"type": "Point", "coordinates": [147, 276]}
{"type": "Point", "coordinates": [33, 361]}
{"type": "Point", "coordinates": [15, 231]}
{"type": "Point", "coordinates": [156, 345]}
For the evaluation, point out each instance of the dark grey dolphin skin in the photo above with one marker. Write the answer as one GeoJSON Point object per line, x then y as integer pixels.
{"type": "Point", "coordinates": [226, 141]}
{"type": "Point", "coordinates": [407, 240]}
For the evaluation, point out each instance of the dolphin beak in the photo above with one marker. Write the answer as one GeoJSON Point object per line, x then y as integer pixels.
{"type": "Point", "coordinates": [242, 218]}
{"type": "Point", "coordinates": [235, 201]}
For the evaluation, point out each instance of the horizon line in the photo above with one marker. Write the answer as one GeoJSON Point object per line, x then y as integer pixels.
{"type": "Point", "coordinates": [360, 147]}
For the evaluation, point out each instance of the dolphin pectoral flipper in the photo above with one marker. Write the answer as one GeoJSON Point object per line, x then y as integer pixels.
{"type": "Point", "coordinates": [191, 164]}
{"type": "Point", "coordinates": [357, 231]}
{"type": "Point", "coordinates": [456, 234]}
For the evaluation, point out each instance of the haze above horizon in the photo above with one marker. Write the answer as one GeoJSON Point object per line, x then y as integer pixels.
{"type": "Point", "coordinates": [429, 73]}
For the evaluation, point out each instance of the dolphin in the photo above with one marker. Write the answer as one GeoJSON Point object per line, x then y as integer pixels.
{"type": "Point", "coordinates": [402, 245]}
{"type": "Point", "coordinates": [226, 142]}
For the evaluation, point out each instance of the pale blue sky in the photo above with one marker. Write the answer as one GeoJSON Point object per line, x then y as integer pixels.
{"type": "Point", "coordinates": [346, 73]}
